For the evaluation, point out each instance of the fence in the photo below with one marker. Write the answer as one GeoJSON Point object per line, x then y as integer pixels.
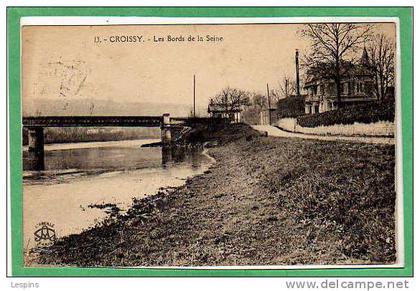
{"type": "Point", "coordinates": [380, 128]}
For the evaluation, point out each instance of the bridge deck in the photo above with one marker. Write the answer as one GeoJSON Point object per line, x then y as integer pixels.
{"type": "Point", "coordinates": [76, 121]}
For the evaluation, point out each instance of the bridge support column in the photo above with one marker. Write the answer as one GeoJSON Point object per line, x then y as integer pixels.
{"type": "Point", "coordinates": [166, 135]}
{"type": "Point", "coordinates": [36, 148]}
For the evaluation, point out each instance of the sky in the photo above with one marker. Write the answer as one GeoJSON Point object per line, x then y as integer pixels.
{"type": "Point", "coordinates": [69, 62]}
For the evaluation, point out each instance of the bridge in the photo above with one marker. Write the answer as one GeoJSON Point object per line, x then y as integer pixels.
{"type": "Point", "coordinates": [169, 126]}
{"type": "Point", "coordinates": [36, 125]}
{"type": "Point", "coordinates": [95, 121]}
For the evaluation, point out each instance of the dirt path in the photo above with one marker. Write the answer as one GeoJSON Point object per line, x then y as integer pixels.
{"type": "Point", "coordinates": [267, 201]}
{"type": "Point", "coordinates": [277, 132]}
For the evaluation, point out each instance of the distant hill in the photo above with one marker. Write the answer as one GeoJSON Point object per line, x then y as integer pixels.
{"type": "Point", "coordinates": [65, 107]}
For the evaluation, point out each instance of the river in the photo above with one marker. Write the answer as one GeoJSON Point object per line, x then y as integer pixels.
{"type": "Point", "coordinates": [78, 176]}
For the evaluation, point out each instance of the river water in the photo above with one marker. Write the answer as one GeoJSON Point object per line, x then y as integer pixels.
{"type": "Point", "coordinates": [79, 175]}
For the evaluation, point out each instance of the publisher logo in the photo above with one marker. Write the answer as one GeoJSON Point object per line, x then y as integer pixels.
{"type": "Point", "coordinates": [45, 234]}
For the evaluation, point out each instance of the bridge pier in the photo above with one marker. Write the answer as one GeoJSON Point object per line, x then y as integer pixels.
{"type": "Point", "coordinates": [36, 148]}
{"type": "Point", "coordinates": [166, 136]}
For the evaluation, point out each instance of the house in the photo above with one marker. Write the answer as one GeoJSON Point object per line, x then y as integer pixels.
{"type": "Point", "coordinates": [233, 113]}
{"type": "Point", "coordinates": [357, 87]}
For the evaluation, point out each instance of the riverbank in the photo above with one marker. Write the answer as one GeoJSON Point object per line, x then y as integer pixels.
{"type": "Point", "coordinates": [93, 179]}
{"type": "Point", "coordinates": [267, 201]}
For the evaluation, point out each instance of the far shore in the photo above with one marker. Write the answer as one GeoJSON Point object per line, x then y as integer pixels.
{"type": "Point", "coordinates": [90, 144]}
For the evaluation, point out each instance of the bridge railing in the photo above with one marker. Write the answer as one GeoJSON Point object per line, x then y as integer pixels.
{"type": "Point", "coordinates": [75, 121]}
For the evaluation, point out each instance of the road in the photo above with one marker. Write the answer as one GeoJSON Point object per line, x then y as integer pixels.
{"type": "Point", "coordinates": [276, 132]}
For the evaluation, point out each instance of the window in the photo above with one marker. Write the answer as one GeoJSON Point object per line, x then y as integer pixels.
{"type": "Point", "coordinates": [345, 88]}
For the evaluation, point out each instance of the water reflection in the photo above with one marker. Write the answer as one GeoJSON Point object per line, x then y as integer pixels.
{"type": "Point", "coordinates": [98, 158]}
{"type": "Point", "coordinates": [117, 157]}
{"type": "Point", "coordinates": [182, 154]}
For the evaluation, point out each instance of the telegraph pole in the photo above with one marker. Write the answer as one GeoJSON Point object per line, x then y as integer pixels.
{"type": "Point", "coordinates": [194, 96]}
{"type": "Point", "coordinates": [297, 73]}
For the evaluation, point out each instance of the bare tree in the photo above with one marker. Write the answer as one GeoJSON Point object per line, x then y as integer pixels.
{"type": "Point", "coordinates": [381, 54]}
{"type": "Point", "coordinates": [259, 100]}
{"type": "Point", "coordinates": [335, 43]}
{"type": "Point", "coordinates": [232, 99]}
{"type": "Point", "coordinates": [286, 88]}
{"type": "Point", "coordinates": [276, 95]}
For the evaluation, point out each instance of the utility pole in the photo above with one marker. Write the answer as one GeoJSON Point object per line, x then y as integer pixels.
{"type": "Point", "coordinates": [297, 73]}
{"type": "Point", "coordinates": [194, 96]}
{"type": "Point", "coordinates": [269, 105]}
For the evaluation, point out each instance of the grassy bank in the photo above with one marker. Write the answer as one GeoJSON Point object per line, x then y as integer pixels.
{"type": "Point", "coordinates": [267, 201]}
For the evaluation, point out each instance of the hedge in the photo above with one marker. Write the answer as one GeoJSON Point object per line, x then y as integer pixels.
{"type": "Point", "coordinates": [366, 113]}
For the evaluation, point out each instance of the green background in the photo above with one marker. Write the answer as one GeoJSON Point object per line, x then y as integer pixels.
{"type": "Point", "coordinates": [405, 15]}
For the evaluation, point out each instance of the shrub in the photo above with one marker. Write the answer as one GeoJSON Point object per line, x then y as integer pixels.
{"type": "Point", "coordinates": [366, 113]}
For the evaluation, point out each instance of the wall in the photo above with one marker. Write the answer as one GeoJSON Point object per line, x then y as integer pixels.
{"type": "Point", "coordinates": [380, 128]}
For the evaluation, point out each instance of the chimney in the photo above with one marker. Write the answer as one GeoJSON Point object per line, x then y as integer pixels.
{"type": "Point", "coordinates": [297, 73]}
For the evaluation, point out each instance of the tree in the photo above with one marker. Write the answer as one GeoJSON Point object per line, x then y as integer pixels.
{"type": "Point", "coordinates": [259, 100]}
{"type": "Point", "coordinates": [334, 43]}
{"type": "Point", "coordinates": [232, 99]}
{"type": "Point", "coordinates": [275, 96]}
{"type": "Point", "coordinates": [286, 88]}
{"type": "Point", "coordinates": [381, 56]}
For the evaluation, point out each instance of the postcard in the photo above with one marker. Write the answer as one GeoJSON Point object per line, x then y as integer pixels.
{"type": "Point", "coordinates": [222, 144]}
